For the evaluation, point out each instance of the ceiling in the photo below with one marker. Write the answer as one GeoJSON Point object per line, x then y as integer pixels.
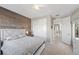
{"type": "Point", "coordinates": [55, 10]}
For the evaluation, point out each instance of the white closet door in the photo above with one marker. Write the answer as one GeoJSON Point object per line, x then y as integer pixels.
{"type": "Point", "coordinates": [39, 27]}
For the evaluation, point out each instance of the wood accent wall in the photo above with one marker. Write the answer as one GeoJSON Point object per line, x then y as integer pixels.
{"type": "Point", "coordinates": [9, 19]}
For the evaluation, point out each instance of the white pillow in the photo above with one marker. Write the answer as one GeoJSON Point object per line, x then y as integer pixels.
{"type": "Point", "coordinates": [14, 37]}
{"type": "Point", "coordinates": [8, 38]}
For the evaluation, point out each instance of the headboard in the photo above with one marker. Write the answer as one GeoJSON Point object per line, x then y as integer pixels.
{"type": "Point", "coordinates": [6, 33]}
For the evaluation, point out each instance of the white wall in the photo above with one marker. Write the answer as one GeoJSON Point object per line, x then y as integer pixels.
{"type": "Point", "coordinates": [75, 15]}
{"type": "Point", "coordinates": [65, 29]}
{"type": "Point", "coordinates": [49, 29]}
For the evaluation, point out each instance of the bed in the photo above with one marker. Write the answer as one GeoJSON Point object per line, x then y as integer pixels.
{"type": "Point", "coordinates": [21, 45]}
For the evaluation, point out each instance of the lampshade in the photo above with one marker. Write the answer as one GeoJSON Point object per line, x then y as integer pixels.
{"type": "Point", "coordinates": [28, 32]}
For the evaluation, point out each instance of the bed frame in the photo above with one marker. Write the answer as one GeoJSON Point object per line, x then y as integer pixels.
{"type": "Point", "coordinates": [40, 49]}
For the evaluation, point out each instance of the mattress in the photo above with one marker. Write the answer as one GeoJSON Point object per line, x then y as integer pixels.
{"type": "Point", "coordinates": [22, 46]}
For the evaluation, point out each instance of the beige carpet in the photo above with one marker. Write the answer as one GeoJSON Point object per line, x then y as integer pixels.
{"type": "Point", "coordinates": [57, 48]}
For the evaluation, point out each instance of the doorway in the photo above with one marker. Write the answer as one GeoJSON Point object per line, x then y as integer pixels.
{"type": "Point", "coordinates": [57, 32]}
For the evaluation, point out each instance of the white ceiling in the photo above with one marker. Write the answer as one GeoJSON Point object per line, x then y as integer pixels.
{"type": "Point", "coordinates": [49, 9]}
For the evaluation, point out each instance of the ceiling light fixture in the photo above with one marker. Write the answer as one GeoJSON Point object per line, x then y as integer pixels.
{"type": "Point", "coordinates": [37, 6]}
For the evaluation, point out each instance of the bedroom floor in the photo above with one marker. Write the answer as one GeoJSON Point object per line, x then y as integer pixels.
{"type": "Point", "coordinates": [57, 48]}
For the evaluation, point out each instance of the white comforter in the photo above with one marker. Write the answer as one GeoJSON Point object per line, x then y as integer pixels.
{"type": "Point", "coordinates": [22, 46]}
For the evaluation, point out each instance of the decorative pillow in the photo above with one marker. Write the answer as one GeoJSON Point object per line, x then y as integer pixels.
{"type": "Point", "coordinates": [1, 43]}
